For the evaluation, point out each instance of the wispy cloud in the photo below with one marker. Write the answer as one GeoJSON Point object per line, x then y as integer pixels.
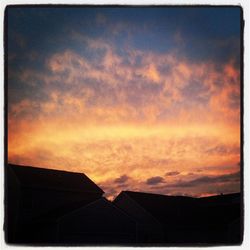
{"type": "Point", "coordinates": [127, 99]}
{"type": "Point", "coordinates": [172, 173]}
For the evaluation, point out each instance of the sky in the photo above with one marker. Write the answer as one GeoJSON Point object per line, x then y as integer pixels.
{"type": "Point", "coordinates": [140, 99]}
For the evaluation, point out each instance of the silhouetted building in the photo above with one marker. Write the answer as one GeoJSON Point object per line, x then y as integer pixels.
{"type": "Point", "coordinates": [53, 207]}
{"type": "Point", "coordinates": [31, 192]}
{"type": "Point", "coordinates": [223, 215]}
{"type": "Point", "coordinates": [99, 222]}
{"type": "Point", "coordinates": [182, 219]}
{"type": "Point", "coordinates": [149, 229]}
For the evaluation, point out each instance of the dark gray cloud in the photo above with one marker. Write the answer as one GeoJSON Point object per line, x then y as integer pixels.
{"type": "Point", "coordinates": [121, 179]}
{"type": "Point", "coordinates": [155, 180]}
{"type": "Point", "coordinates": [172, 173]}
{"type": "Point", "coordinates": [234, 177]}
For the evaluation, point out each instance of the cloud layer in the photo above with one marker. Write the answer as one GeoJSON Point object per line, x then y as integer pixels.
{"type": "Point", "coordinates": [131, 115]}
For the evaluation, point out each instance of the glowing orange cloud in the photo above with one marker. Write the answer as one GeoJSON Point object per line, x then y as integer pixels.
{"type": "Point", "coordinates": [108, 118]}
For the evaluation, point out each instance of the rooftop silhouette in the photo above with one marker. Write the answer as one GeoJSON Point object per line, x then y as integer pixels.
{"type": "Point", "coordinates": [55, 179]}
{"type": "Point", "coordinates": [44, 206]}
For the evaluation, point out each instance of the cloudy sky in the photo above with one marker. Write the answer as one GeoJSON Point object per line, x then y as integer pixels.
{"type": "Point", "coordinates": [143, 99]}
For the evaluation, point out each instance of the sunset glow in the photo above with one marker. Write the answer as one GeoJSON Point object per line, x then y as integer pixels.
{"type": "Point", "coordinates": [136, 98]}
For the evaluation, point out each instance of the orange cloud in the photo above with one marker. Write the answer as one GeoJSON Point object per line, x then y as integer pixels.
{"type": "Point", "coordinates": [147, 115]}
{"type": "Point", "coordinates": [152, 74]}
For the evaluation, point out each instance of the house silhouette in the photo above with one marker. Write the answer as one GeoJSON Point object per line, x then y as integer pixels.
{"type": "Point", "coordinates": [99, 222]}
{"type": "Point", "coordinates": [180, 219]}
{"type": "Point", "coordinates": [44, 206]}
{"type": "Point", "coordinates": [32, 192]}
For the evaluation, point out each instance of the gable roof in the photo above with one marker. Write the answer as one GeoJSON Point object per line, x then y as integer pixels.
{"type": "Point", "coordinates": [153, 201]}
{"type": "Point", "coordinates": [53, 179]}
{"type": "Point", "coordinates": [161, 207]}
{"type": "Point", "coordinates": [99, 206]}
{"type": "Point", "coordinates": [174, 209]}
{"type": "Point", "coordinates": [93, 205]}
